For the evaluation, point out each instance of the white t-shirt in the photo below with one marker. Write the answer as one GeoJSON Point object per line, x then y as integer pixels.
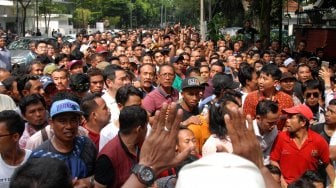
{"type": "Point", "coordinates": [6, 170]}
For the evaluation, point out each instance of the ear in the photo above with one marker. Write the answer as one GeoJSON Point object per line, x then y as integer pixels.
{"type": "Point", "coordinates": [16, 137]}
{"type": "Point", "coordinates": [138, 129]}
{"type": "Point", "coordinates": [276, 82]}
{"type": "Point", "coordinates": [51, 123]}
{"type": "Point", "coordinates": [25, 92]}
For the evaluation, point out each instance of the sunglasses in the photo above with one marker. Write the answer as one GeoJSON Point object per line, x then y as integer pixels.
{"type": "Point", "coordinates": [315, 94]}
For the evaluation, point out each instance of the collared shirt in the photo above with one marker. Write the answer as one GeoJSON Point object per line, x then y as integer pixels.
{"type": "Point", "coordinates": [154, 100]}
{"type": "Point", "coordinates": [5, 59]}
{"type": "Point", "coordinates": [111, 103]}
{"type": "Point", "coordinates": [266, 141]}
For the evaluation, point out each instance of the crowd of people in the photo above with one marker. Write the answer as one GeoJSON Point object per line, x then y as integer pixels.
{"type": "Point", "coordinates": [161, 108]}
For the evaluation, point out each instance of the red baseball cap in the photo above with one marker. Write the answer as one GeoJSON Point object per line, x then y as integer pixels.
{"type": "Point", "coordinates": [300, 109]}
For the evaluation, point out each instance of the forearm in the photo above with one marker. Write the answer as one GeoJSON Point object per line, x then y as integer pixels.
{"type": "Point", "coordinates": [133, 182]}
{"type": "Point", "coordinates": [331, 173]}
{"type": "Point", "coordinates": [269, 180]}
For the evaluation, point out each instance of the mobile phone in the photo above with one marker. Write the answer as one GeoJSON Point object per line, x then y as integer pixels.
{"type": "Point", "coordinates": [325, 64]}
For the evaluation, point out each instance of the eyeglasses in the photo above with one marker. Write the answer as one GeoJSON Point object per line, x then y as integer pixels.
{"type": "Point", "coordinates": [6, 135]}
{"type": "Point", "coordinates": [315, 95]}
{"type": "Point", "coordinates": [165, 75]}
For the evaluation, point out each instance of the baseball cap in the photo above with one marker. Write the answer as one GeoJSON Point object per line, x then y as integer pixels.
{"type": "Point", "coordinates": [300, 109]}
{"type": "Point", "coordinates": [102, 65]}
{"type": "Point", "coordinates": [191, 82]}
{"type": "Point", "coordinates": [202, 81]}
{"type": "Point", "coordinates": [287, 75]}
{"type": "Point", "coordinates": [176, 59]}
{"type": "Point", "coordinates": [46, 81]}
{"type": "Point", "coordinates": [224, 81]}
{"type": "Point", "coordinates": [74, 62]}
{"type": "Point", "coordinates": [223, 170]}
{"type": "Point", "coordinates": [288, 61]}
{"type": "Point", "coordinates": [63, 106]}
{"type": "Point", "coordinates": [48, 69]}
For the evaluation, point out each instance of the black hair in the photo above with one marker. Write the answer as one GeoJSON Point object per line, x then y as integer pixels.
{"type": "Point", "coordinates": [88, 104]}
{"type": "Point", "coordinates": [332, 102]}
{"type": "Point", "coordinates": [65, 95]}
{"type": "Point", "coordinates": [29, 67]}
{"type": "Point", "coordinates": [110, 71]}
{"type": "Point", "coordinates": [95, 72]}
{"type": "Point", "coordinates": [124, 92]}
{"type": "Point", "coordinates": [216, 115]}
{"type": "Point", "coordinates": [35, 174]}
{"type": "Point", "coordinates": [312, 84]}
{"type": "Point", "coordinates": [312, 176]}
{"type": "Point", "coordinates": [44, 59]}
{"type": "Point", "coordinates": [131, 117]}
{"type": "Point", "coordinates": [39, 42]}
{"type": "Point", "coordinates": [13, 121]}
{"type": "Point", "coordinates": [199, 61]}
{"type": "Point", "coordinates": [266, 106]}
{"type": "Point", "coordinates": [8, 82]}
{"type": "Point", "coordinates": [79, 82]}
{"type": "Point", "coordinates": [245, 73]}
{"type": "Point", "coordinates": [166, 65]}
{"type": "Point", "coordinates": [300, 183]}
{"type": "Point", "coordinates": [24, 84]}
{"type": "Point", "coordinates": [31, 99]}
{"type": "Point", "coordinates": [192, 69]}
{"type": "Point", "coordinates": [60, 57]}
{"type": "Point", "coordinates": [271, 70]}
{"type": "Point", "coordinates": [273, 169]}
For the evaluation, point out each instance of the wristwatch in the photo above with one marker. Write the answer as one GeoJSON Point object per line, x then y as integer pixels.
{"type": "Point", "coordinates": [144, 174]}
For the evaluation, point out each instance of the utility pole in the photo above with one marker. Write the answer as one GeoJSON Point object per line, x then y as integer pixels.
{"type": "Point", "coordinates": [202, 21]}
{"type": "Point", "coordinates": [37, 16]}
{"type": "Point", "coordinates": [161, 14]}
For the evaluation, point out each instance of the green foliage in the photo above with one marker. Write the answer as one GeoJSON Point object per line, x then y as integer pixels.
{"type": "Point", "coordinates": [82, 17]}
{"type": "Point", "coordinates": [217, 22]}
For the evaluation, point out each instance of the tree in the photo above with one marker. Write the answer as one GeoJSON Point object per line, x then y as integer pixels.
{"type": "Point", "coordinates": [82, 17]}
{"type": "Point", "coordinates": [48, 7]}
{"type": "Point", "coordinates": [24, 4]}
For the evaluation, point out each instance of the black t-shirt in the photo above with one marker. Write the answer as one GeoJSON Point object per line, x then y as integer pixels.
{"type": "Point", "coordinates": [319, 128]}
{"type": "Point", "coordinates": [187, 114]}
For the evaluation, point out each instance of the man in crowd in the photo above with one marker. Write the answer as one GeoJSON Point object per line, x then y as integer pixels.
{"type": "Point", "coordinates": [146, 77]}
{"type": "Point", "coordinates": [96, 79]}
{"type": "Point", "coordinates": [299, 149]}
{"type": "Point", "coordinates": [5, 55]}
{"type": "Point", "coordinates": [116, 159]}
{"type": "Point", "coordinates": [61, 79]}
{"type": "Point", "coordinates": [12, 156]}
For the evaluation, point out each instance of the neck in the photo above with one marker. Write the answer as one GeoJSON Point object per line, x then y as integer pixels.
{"type": "Point", "coordinates": [37, 127]}
{"type": "Point", "coordinates": [63, 147]}
{"type": "Point", "coordinates": [288, 92]}
{"type": "Point", "coordinates": [247, 89]}
{"type": "Point", "coordinates": [93, 127]}
{"type": "Point", "coordinates": [186, 107]}
{"type": "Point", "coordinates": [300, 135]}
{"type": "Point", "coordinates": [14, 156]}
{"type": "Point", "coordinates": [147, 89]}
{"type": "Point", "coordinates": [130, 142]}
{"type": "Point", "coordinates": [168, 90]}
{"type": "Point", "coordinates": [112, 93]}
{"type": "Point", "coordinates": [331, 127]}
{"type": "Point", "coordinates": [269, 94]}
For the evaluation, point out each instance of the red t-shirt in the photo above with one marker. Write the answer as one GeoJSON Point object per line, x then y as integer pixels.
{"type": "Point", "coordinates": [94, 137]}
{"type": "Point", "coordinates": [293, 161]}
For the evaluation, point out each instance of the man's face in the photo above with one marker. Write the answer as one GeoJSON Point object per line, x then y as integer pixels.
{"type": "Point", "coordinates": [61, 80]}
{"type": "Point", "coordinates": [36, 114]}
{"type": "Point", "coordinates": [96, 84]}
{"type": "Point", "coordinates": [196, 54]}
{"type": "Point", "coordinates": [102, 112]}
{"type": "Point", "coordinates": [6, 142]}
{"type": "Point", "coordinates": [138, 51]}
{"type": "Point", "coordinates": [267, 57]}
{"type": "Point", "coordinates": [37, 69]}
{"type": "Point", "coordinates": [304, 74]}
{"type": "Point", "coordinates": [159, 58]}
{"type": "Point", "coordinates": [312, 97]}
{"type": "Point", "coordinates": [287, 85]}
{"type": "Point", "coordinates": [147, 60]}
{"type": "Point", "coordinates": [36, 88]}
{"type": "Point", "coordinates": [133, 100]}
{"type": "Point", "coordinates": [293, 123]}
{"type": "Point", "coordinates": [120, 50]}
{"type": "Point", "coordinates": [267, 122]}
{"type": "Point", "coordinates": [205, 73]}
{"type": "Point", "coordinates": [120, 80]}
{"type": "Point", "coordinates": [2, 42]}
{"type": "Point", "coordinates": [146, 76]}
{"type": "Point", "coordinates": [124, 62]}
{"type": "Point", "coordinates": [186, 139]}
{"type": "Point", "coordinates": [214, 70]}
{"type": "Point", "coordinates": [191, 97]}
{"type": "Point", "coordinates": [232, 62]}
{"type": "Point", "coordinates": [65, 126]}
{"type": "Point", "coordinates": [41, 49]}
{"type": "Point", "coordinates": [166, 76]}
{"type": "Point", "coordinates": [253, 84]}
{"type": "Point", "coordinates": [266, 82]}
{"type": "Point", "coordinates": [330, 115]}
{"type": "Point", "coordinates": [178, 66]}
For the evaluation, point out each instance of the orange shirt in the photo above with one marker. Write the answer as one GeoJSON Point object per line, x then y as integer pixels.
{"type": "Point", "coordinates": [284, 101]}
{"type": "Point", "coordinates": [201, 133]}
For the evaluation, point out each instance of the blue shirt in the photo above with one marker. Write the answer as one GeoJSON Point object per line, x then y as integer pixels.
{"type": "Point", "coordinates": [5, 59]}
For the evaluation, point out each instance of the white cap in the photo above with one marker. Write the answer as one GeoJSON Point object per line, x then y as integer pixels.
{"type": "Point", "coordinates": [220, 170]}
{"type": "Point", "coordinates": [83, 48]}
{"type": "Point", "coordinates": [288, 61]}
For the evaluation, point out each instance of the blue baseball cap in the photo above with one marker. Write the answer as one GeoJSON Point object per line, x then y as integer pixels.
{"type": "Point", "coordinates": [64, 106]}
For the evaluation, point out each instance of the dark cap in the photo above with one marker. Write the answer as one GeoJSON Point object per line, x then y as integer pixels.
{"type": "Point", "coordinates": [176, 59]}
{"type": "Point", "coordinates": [287, 75]}
{"type": "Point", "coordinates": [224, 81]}
{"type": "Point", "coordinates": [191, 82]}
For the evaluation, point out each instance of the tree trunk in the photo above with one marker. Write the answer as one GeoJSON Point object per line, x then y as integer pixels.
{"type": "Point", "coordinates": [265, 27]}
{"type": "Point", "coordinates": [24, 12]}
